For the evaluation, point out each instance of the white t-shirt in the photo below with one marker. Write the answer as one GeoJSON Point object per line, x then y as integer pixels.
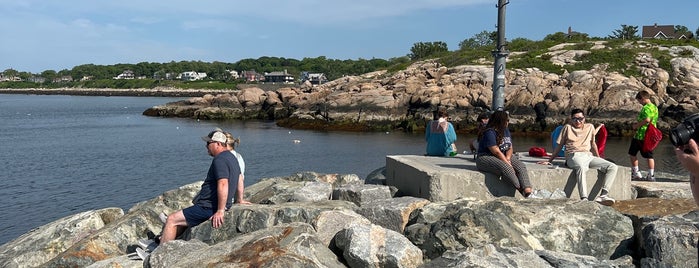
{"type": "Point", "coordinates": [240, 161]}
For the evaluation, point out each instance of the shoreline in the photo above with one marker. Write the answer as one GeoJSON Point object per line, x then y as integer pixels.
{"type": "Point", "coordinates": [127, 92]}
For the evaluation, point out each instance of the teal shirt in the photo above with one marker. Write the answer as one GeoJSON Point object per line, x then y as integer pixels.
{"type": "Point", "coordinates": [439, 140]}
{"type": "Point", "coordinates": [648, 111]}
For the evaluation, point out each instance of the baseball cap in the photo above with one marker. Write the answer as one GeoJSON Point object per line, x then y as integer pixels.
{"type": "Point", "coordinates": [216, 135]}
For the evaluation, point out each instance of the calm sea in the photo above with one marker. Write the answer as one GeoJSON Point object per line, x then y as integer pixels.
{"type": "Point", "coordinates": [60, 155]}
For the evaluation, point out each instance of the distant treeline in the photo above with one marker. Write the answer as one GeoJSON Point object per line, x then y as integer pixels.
{"type": "Point", "coordinates": [153, 74]}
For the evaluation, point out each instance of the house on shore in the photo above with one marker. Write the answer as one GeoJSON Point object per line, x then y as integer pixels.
{"type": "Point", "coordinates": [252, 76]}
{"type": "Point", "coordinates": [656, 31]}
{"type": "Point", "coordinates": [191, 76]}
{"type": "Point", "coordinates": [313, 78]}
{"type": "Point", "coordinates": [126, 74]}
{"type": "Point", "coordinates": [279, 77]}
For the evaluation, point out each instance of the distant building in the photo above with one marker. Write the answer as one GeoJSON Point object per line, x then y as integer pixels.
{"type": "Point", "coordinates": [233, 74]}
{"type": "Point", "coordinates": [313, 78]}
{"type": "Point", "coordinates": [37, 79]}
{"type": "Point", "coordinates": [191, 76]}
{"type": "Point", "coordinates": [9, 78]}
{"type": "Point", "coordinates": [252, 76]}
{"type": "Point", "coordinates": [126, 74]}
{"type": "Point", "coordinates": [656, 31]}
{"type": "Point", "coordinates": [86, 78]}
{"type": "Point", "coordinates": [279, 77]}
{"type": "Point", "coordinates": [63, 79]}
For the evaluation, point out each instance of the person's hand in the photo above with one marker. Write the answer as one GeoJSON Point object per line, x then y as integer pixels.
{"type": "Point", "coordinates": [544, 163]}
{"type": "Point", "coordinates": [217, 218]}
{"type": "Point", "coordinates": [244, 202]}
{"type": "Point", "coordinates": [688, 156]}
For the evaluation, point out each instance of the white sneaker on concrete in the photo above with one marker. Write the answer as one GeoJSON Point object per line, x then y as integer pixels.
{"type": "Point", "coordinates": [605, 200]}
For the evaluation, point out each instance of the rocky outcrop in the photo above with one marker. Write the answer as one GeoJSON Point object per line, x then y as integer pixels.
{"type": "Point", "coordinates": [406, 98]}
{"type": "Point", "coordinates": [346, 230]}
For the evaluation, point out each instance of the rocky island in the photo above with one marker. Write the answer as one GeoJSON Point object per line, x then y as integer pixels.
{"type": "Point", "coordinates": [536, 100]}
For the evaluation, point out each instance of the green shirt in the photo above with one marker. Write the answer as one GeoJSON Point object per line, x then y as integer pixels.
{"type": "Point", "coordinates": [649, 110]}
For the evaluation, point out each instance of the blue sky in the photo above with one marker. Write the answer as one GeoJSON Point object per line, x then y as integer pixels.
{"type": "Point", "coordinates": [40, 35]}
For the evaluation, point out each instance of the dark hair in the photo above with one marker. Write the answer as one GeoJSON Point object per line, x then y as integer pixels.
{"type": "Point", "coordinates": [576, 111]}
{"type": "Point", "coordinates": [482, 116]}
{"type": "Point", "coordinates": [642, 95]}
{"type": "Point", "coordinates": [498, 122]}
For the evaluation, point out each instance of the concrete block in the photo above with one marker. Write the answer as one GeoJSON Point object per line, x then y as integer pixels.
{"type": "Point", "coordinates": [450, 178]}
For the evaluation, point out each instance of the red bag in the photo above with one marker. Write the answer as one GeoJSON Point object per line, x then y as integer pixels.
{"type": "Point", "coordinates": [652, 139]}
{"type": "Point", "coordinates": [537, 152]}
{"type": "Point", "coordinates": [601, 140]}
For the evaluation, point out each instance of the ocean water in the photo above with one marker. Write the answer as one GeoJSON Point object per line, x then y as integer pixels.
{"type": "Point", "coordinates": [60, 155]}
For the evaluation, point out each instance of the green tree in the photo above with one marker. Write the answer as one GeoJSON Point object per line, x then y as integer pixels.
{"type": "Point", "coordinates": [479, 40]}
{"type": "Point", "coordinates": [557, 37]}
{"type": "Point", "coordinates": [627, 32]}
{"type": "Point", "coordinates": [683, 30]}
{"type": "Point", "coordinates": [423, 50]}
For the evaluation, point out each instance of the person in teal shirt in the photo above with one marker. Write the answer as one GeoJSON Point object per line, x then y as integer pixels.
{"type": "Point", "coordinates": [648, 115]}
{"type": "Point", "coordinates": [440, 136]}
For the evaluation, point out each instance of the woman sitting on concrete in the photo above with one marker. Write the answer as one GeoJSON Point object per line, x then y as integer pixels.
{"type": "Point", "coordinates": [495, 153]}
{"type": "Point", "coordinates": [440, 136]}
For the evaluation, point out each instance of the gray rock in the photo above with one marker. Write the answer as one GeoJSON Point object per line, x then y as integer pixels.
{"type": "Point", "coordinates": [329, 223]}
{"type": "Point", "coordinates": [242, 219]}
{"type": "Point", "coordinates": [361, 193]}
{"type": "Point", "coordinates": [312, 191]}
{"type": "Point", "coordinates": [671, 241]}
{"type": "Point", "coordinates": [580, 227]}
{"type": "Point", "coordinates": [286, 245]}
{"type": "Point", "coordinates": [488, 256]}
{"type": "Point", "coordinates": [392, 214]}
{"type": "Point", "coordinates": [46, 242]}
{"type": "Point", "coordinates": [375, 246]}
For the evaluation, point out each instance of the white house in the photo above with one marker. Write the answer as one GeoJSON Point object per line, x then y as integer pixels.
{"type": "Point", "coordinates": [192, 76]}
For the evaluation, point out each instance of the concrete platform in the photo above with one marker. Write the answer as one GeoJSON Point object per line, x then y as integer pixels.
{"type": "Point", "coordinates": [450, 178]}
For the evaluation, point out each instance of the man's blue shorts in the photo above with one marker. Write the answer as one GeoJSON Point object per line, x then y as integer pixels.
{"type": "Point", "coordinates": [195, 215]}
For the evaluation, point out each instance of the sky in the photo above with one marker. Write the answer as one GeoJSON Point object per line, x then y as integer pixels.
{"type": "Point", "coordinates": [39, 35]}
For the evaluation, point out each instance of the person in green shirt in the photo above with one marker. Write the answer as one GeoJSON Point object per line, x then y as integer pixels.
{"type": "Point", "coordinates": [648, 115]}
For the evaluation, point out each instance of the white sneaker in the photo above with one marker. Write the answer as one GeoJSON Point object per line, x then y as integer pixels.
{"type": "Point", "coordinates": [636, 176]}
{"type": "Point", "coordinates": [142, 254]}
{"type": "Point", "coordinates": [148, 245]}
{"type": "Point", "coordinates": [605, 200]}
{"type": "Point", "coordinates": [162, 217]}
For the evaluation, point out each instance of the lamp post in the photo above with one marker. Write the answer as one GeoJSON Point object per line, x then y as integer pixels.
{"type": "Point", "coordinates": [500, 54]}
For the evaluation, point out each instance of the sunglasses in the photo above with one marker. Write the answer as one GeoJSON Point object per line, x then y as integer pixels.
{"type": "Point", "coordinates": [578, 119]}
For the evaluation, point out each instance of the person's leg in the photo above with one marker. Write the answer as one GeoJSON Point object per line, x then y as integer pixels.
{"type": "Point", "coordinates": [608, 168]}
{"type": "Point", "coordinates": [492, 164]}
{"type": "Point", "coordinates": [579, 162]}
{"type": "Point", "coordinates": [634, 148]}
{"type": "Point", "coordinates": [522, 176]}
{"type": "Point", "coordinates": [174, 226]}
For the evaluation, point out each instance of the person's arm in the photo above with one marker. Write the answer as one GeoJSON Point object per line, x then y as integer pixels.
{"type": "Point", "coordinates": [690, 161]}
{"type": "Point", "coordinates": [495, 150]}
{"type": "Point", "coordinates": [641, 123]}
{"type": "Point", "coordinates": [560, 140]}
{"type": "Point", "coordinates": [451, 134]}
{"type": "Point", "coordinates": [240, 191]}
{"type": "Point", "coordinates": [598, 127]}
{"type": "Point", "coordinates": [595, 150]}
{"type": "Point", "coordinates": [222, 192]}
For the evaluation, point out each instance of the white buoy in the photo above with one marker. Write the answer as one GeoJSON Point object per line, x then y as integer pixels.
{"type": "Point", "coordinates": [297, 141]}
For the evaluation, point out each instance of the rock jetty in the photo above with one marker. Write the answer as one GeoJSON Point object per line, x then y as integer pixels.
{"type": "Point", "coordinates": [404, 99]}
{"type": "Point", "coordinates": [309, 219]}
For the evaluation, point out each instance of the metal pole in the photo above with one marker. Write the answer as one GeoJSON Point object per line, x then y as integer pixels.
{"type": "Point", "coordinates": [500, 55]}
